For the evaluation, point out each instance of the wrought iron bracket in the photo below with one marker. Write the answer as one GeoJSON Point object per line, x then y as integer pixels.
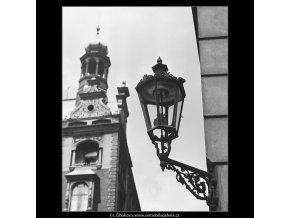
{"type": "Point", "coordinates": [200, 183]}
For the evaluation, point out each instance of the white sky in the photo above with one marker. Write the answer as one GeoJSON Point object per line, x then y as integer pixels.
{"type": "Point", "coordinates": [135, 37]}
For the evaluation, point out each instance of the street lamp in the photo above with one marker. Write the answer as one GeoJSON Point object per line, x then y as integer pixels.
{"type": "Point", "coordinates": [161, 96]}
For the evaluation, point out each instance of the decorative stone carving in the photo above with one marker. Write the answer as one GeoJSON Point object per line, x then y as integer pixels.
{"type": "Point", "coordinates": [90, 108]}
{"type": "Point", "coordinates": [97, 138]}
{"type": "Point", "coordinates": [67, 197]}
{"type": "Point", "coordinates": [89, 89]}
{"type": "Point", "coordinates": [90, 202]}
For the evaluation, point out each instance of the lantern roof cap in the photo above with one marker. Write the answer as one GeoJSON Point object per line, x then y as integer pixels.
{"type": "Point", "coordinates": [165, 76]}
{"type": "Point", "coordinates": [159, 66]}
{"type": "Point", "coordinates": [161, 74]}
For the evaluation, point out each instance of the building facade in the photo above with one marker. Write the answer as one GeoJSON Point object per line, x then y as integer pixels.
{"type": "Point", "coordinates": [211, 27]}
{"type": "Point", "coordinates": [96, 163]}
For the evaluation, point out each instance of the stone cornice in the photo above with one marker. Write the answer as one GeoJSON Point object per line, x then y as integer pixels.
{"type": "Point", "coordinates": [88, 129]}
{"type": "Point", "coordinates": [94, 118]}
{"type": "Point", "coordinates": [98, 78]}
{"type": "Point", "coordinates": [96, 54]}
{"type": "Point", "coordinates": [92, 95]}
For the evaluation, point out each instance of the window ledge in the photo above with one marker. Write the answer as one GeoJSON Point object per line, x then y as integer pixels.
{"type": "Point", "coordinates": [89, 166]}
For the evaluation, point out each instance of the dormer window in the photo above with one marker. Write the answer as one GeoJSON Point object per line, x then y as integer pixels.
{"type": "Point", "coordinates": [90, 157]}
{"type": "Point", "coordinates": [87, 153]}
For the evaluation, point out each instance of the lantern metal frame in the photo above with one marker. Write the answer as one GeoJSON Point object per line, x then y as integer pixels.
{"type": "Point", "coordinates": [200, 183]}
{"type": "Point", "coordinates": [162, 118]}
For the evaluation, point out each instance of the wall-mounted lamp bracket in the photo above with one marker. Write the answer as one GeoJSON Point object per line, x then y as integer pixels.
{"type": "Point", "coordinates": [200, 183]}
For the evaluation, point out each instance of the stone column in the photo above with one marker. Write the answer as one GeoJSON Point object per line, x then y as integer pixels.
{"type": "Point", "coordinates": [105, 73]}
{"type": "Point", "coordinates": [67, 197]}
{"type": "Point", "coordinates": [90, 197]}
{"type": "Point", "coordinates": [82, 71]}
{"type": "Point", "coordinates": [97, 68]}
{"type": "Point", "coordinates": [87, 68]}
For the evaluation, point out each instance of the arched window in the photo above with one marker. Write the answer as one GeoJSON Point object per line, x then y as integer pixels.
{"type": "Point", "coordinates": [87, 153]}
{"type": "Point", "coordinates": [92, 67]}
{"type": "Point", "coordinates": [101, 69]}
{"type": "Point", "coordinates": [79, 197]}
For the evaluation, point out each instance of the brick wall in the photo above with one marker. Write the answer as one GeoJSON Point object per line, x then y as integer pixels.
{"type": "Point", "coordinates": [106, 193]}
{"type": "Point", "coordinates": [112, 178]}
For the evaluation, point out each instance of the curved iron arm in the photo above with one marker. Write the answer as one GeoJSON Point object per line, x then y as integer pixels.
{"type": "Point", "coordinates": [200, 183]}
{"type": "Point", "coordinates": [197, 181]}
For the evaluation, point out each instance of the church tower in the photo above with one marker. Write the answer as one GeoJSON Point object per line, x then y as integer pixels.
{"type": "Point", "coordinates": [96, 162]}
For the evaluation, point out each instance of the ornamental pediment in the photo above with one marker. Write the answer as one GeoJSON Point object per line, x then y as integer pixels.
{"type": "Point", "coordinates": [90, 108]}
{"type": "Point", "coordinates": [97, 138]}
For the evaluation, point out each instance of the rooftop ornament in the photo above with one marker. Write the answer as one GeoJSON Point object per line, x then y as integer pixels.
{"type": "Point", "coordinates": [97, 46]}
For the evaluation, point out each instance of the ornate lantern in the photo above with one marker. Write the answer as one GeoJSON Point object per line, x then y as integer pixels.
{"type": "Point", "coordinates": [161, 97]}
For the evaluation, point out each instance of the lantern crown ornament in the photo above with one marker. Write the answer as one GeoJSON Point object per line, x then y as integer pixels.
{"type": "Point", "coordinates": [161, 96]}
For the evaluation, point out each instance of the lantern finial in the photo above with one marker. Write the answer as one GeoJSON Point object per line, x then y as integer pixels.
{"type": "Point", "coordinates": [159, 67]}
{"type": "Point", "coordinates": [159, 60]}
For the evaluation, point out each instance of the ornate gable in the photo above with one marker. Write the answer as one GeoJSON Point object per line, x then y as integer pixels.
{"type": "Point", "coordinates": [90, 108]}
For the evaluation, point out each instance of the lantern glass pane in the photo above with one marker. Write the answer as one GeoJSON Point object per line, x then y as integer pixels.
{"type": "Point", "coordinates": [170, 114]}
{"type": "Point", "coordinates": [152, 111]}
{"type": "Point", "coordinates": [146, 116]}
{"type": "Point", "coordinates": [145, 112]}
{"type": "Point", "coordinates": [166, 89]}
{"type": "Point", "coordinates": [178, 115]}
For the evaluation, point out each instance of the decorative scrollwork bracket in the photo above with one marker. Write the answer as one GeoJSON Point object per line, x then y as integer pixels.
{"type": "Point", "coordinates": [198, 182]}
